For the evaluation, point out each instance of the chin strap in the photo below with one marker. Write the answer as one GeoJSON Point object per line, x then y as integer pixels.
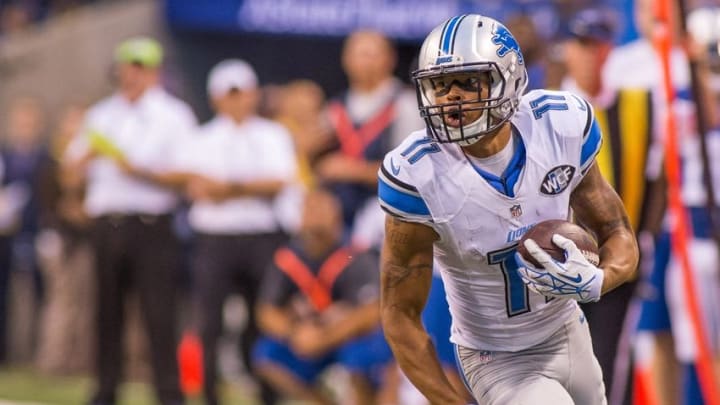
{"type": "Point", "coordinates": [472, 128]}
{"type": "Point", "coordinates": [468, 142]}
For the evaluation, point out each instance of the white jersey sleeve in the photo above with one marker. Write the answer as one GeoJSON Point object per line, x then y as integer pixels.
{"type": "Point", "coordinates": [397, 191]}
{"type": "Point", "coordinates": [569, 118]}
{"type": "Point", "coordinates": [592, 138]}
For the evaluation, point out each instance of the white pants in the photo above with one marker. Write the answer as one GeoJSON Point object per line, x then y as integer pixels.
{"type": "Point", "coordinates": [560, 371]}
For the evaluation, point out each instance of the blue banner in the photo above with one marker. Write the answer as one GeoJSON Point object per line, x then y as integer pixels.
{"type": "Point", "coordinates": [400, 19]}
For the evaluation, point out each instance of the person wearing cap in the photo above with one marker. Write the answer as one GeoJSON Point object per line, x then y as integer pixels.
{"type": "Point", "coordinates": [142, 126]}
{"type": "Point", "coordinates": [626, 118]}
{"type": "Point", "coordinates": [241, 162]}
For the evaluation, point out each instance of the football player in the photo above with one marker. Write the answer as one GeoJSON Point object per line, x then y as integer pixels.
{"type": "Point", "coordinates": [459, 194]}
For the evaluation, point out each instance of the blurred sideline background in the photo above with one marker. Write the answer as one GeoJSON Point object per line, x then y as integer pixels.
{"type": "Point", "coordinates": [59, 54]}
{"type": "Point", "coordinates": [62, 52]}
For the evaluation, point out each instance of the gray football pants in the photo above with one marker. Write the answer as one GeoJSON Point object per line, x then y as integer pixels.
{"type": "Point", "coordinates": [559, 371]}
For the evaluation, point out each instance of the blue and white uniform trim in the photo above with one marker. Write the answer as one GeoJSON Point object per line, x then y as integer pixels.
{"type": "Point", "coordinates": [400, 199]}
{"type": "Point", "coordinates": [447, 39]}
{"type": "Point", "coordinates": [592, 141]}
{"type": "Point", "coordinates": [460, 369]}
{"type": "Point", "coordinates": [505, 184]}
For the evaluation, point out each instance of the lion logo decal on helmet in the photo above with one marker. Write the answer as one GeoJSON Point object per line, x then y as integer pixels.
{"type": "Point", "coordinates": [508, 43]}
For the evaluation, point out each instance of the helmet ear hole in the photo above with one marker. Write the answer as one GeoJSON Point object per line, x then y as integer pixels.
{"type": "Point", "coordinates": [502, 111]}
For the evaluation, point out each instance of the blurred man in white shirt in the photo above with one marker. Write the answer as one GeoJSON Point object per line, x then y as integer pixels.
{"type": "Point", "coordinates": [242, 162]}
{"type": "Point", "coordinates": [144, 126]}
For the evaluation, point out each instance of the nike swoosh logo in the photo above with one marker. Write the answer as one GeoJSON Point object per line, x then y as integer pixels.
{"type": "Point", "coordinates": [395, 169]}
{"type": "Point", "coordinates": [576, 279]}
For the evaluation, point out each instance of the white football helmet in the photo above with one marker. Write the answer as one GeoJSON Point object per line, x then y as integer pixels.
{"type": "Point", "coordinates": [482, 50]}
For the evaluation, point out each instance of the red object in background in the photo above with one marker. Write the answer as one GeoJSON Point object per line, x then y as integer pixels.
{"type": "Point", "coordinates": [190, 362]}
{"type": "Point", "coordinates": [643, 392]}
{"type": "Point", "coordinates": [681, 228]}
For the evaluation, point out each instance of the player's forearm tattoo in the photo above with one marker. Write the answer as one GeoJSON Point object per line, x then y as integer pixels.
{"type": "Point", "coordinates": [396, 235]}
{"type": "Point", "coordinates": [394, 274]}
{"type": "Point", "coordinates": [407, 256]}
{"type": "Point", "coordinates": [604, 216]}
{"type": "Point", "coordinates": [398, 238]}
{"type": "Point", "coordinates": [608, 227]}
{"type": "Point", "coordinates": [599, 208]}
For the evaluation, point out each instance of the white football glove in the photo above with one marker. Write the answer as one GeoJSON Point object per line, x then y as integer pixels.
{"type": "Point", "coordinates": [577, 278]}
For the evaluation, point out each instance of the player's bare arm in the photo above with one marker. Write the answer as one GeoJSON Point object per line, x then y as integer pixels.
{"type": "Point", "coordinates": [406, 275]}
{"type": "Point", "coordinates": [598, 207]}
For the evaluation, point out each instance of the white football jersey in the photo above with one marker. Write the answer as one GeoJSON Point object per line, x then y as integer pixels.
{"type": "Point", "coordinates": [480, 217]}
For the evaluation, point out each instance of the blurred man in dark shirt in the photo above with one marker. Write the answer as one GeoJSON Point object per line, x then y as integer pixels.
{"type": "Point", "coordinates": [318, 307]}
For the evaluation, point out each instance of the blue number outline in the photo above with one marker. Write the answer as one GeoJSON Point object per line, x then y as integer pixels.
{"type": "Point", "coordinates": [517, 295]}
{"type": "Point", "coordinates": [428, 146]}
{"type": "Point", "coordinates": [540, 107]}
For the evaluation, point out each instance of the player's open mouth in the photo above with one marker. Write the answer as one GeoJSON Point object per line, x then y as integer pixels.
{"type": "Point", "coordinates": [455, 118]}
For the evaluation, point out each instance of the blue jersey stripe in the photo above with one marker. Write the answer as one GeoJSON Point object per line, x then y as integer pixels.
{"type": "Point", "coordinates": [395, 180]}
{"type": "Point", "coordinates": [512, 173]}
{"type": "Point", "coordinates": [505, 184]}
{"type": "Point", "coordinates": [401, 201]}
{"type": "Point", "coordinates": [591, 144]}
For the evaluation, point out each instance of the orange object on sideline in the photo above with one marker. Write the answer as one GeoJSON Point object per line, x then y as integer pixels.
{"type": "Point", "coordinates": [190, 362]}
{"type": "Point", "coordinates": [644, 391]}
{"type": "Point", "coordinates": [680, 230]}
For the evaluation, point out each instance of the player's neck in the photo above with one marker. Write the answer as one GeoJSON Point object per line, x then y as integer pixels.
{"type": "Point", "coordinates": [491, 143]}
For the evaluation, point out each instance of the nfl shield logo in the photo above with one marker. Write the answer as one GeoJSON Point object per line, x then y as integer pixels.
{"type": "Point", "coordinates": [516, 211]}
{"type": "Point", "coordinates": [485, 356]}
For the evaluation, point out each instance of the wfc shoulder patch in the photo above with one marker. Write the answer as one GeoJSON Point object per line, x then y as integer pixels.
{"type": "Point", "coordinates": [557, 180]}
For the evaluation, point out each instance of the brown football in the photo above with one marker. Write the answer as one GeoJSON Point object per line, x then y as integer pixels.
{"type": "Point", "coordinates": [542, 234]}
